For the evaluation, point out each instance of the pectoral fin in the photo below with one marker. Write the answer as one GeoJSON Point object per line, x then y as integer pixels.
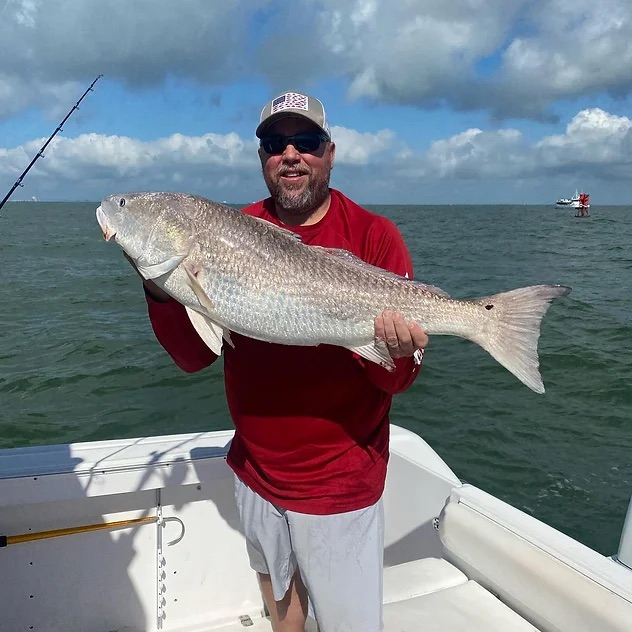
{"type": "Point", "coordinates": [375, 352]}
{"type": "Point", "coordinates": [209, 331]}
{"type": "Point", "coordinates": [227, 338]}
{"type": "Point", "coordinates": [195, 284]}
{"type": "Point", "coordinates": [152, 271]}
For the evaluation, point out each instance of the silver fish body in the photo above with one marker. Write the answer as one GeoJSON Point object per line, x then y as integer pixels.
{"type": "Point", "coordinates": [234, 272]}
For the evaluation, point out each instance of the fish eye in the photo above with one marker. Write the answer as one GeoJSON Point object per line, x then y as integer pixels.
{"type": "Point", "coordinates": [122, 202]}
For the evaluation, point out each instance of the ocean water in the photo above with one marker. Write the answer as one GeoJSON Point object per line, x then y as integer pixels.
{"type": "Point", "coordinates": [78, 360]}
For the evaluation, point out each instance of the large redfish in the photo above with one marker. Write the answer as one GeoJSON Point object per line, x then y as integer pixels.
{"type": "Point", "coordinates": [234, 272]}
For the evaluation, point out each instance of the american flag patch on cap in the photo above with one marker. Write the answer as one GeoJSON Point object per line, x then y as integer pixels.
{"type": "Point", "coordinates": [290, 100]}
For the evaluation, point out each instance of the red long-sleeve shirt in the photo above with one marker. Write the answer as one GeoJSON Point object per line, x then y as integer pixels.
{"type": "Point", "coordinates": [311, 423]}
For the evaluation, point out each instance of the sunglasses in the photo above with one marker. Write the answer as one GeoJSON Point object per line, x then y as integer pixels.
{"type": "Point", "coordinates": [305, 143]}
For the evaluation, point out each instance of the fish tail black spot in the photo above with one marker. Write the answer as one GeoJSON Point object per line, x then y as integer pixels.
{"type": "Point", "coordinates": [490, 306]}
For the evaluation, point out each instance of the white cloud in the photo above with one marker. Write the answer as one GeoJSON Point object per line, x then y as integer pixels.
{"type": "Point", "coordinates": [475, 154]}
{"type": "Point", "coordinates": [96, 164]}
{"type": "Point", "coordinates": [58, 44]}
{"type": "Point", "coordinates": [574, 48]}
{"type": "Point", "coordinates": [514, 58]}
{"type": "Point", "coordinates": [510, 57]}
{"type": "Point", "coordinates": [356, 148]}
{"type": "Point", "coordinates": [595, 141]}
{"type": "Point", "coordinates": [596, 145]}
{"type": "Point", "coordinates": [590, 130]}
{"type": "Point", "coordinates": [407, 52]}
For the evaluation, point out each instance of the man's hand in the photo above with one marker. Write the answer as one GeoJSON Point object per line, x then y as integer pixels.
{"type": "Point", "coordinates": [402, 338]}
{"type": "Point", "coordinates": [157, 293]}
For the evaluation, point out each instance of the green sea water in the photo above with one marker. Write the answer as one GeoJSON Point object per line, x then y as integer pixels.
{"type": "Point", "coordinates": [78, 360]}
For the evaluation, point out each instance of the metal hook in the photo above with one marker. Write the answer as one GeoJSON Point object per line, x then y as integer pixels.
{"type": "Point", "coordinates": [174, 519]}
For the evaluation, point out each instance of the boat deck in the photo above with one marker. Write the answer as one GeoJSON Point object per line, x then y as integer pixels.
{"type": "Point", "coordinates": [430, 595]}
{"type": "Point", "coordinates": [152, 542]}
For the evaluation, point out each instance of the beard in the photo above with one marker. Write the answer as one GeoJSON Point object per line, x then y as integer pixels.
{"type": "Point", "coordinates": [299, 199]}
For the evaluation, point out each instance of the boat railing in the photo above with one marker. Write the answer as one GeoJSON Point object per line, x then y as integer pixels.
{"type": "Point", "coordinates": [624, 555]}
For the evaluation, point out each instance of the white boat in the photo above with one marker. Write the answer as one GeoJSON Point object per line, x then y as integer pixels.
{"type": "Point", "coordinates": [569, 201]}
{"type": "Point", "coordinates": [578, 201]}
{"type": "Point", "coordinates": [143, 535]}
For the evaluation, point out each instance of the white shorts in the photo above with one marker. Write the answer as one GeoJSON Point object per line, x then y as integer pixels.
{"type": "Point", "coordinates": [339, 556]}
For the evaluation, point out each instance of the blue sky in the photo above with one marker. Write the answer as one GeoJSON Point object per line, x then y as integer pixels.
{"type": "Point", "coordinates": [502, 101]}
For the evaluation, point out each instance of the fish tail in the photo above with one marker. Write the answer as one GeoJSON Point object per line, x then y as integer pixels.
{"type": "Point", "coordinates": [511, 332]}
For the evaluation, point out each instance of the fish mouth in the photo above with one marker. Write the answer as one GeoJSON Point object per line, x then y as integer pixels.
{"type": "Point", "coordinates": [108, 233]}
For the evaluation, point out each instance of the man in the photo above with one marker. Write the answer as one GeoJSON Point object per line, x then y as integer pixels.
{"type": "Point", "coordinates": [311, 423]}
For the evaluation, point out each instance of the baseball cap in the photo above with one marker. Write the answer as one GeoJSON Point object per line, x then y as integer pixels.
{"type": "Point", "coordinates": [293, 104]}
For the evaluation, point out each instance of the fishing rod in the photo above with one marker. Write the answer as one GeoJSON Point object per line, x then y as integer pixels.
{"type": "Point", "coordinates": [40, 153]}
